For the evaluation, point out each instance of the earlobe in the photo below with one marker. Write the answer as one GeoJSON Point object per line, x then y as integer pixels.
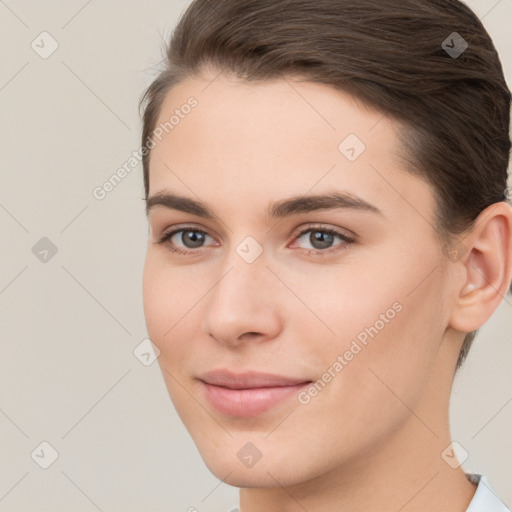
{"type": "Point", "coordinates": [487, 268]}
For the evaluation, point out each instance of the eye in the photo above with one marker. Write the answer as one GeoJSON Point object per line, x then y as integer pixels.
{"type": "Point", "coordinates": [192, 239]}
{"type": "Point", "coordinates": [321, 240]}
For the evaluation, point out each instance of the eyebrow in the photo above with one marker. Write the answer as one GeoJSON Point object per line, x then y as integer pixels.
{"type": "Point", "coordinates": [283, 208]}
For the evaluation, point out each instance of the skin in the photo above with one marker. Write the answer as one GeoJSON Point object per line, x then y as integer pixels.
{"type": "Point", "coordinates": [382, 422]}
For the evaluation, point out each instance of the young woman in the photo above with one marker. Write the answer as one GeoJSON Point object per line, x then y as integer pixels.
{"type": "Point", "coordinates": [326, 188]}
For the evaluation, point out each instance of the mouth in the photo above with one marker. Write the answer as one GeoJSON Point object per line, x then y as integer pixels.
{"type": "Point", "coordinates": [248, 394]}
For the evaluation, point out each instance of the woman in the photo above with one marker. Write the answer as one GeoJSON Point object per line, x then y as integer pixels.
{"type": "Point", "coordinates": [326, 188]}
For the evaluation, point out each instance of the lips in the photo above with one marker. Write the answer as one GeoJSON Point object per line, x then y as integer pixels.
{"type": "Point", "coordinates": [248, 380]}
{"type": "Point", "coordinates": [248, 394]}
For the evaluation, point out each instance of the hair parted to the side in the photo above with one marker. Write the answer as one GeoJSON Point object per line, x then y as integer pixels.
{"type": "Point", "coordinates": [455, 112]}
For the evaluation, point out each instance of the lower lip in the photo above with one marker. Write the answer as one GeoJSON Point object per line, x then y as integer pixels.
{"type": "Point", "coordinates": [249, 402]}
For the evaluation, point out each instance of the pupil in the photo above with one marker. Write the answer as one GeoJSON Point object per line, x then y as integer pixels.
{"type": "Point", "coordinates": [194, 238]}
{"type": "Point", "coordinates": [320, 236]}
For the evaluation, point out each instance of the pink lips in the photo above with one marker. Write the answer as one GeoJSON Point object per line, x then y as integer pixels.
{"type": "Point", "coordinates": [248, 394]}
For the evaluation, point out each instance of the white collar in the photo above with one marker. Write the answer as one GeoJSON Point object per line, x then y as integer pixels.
{"type": "Point", "coordinates": [485, 499]}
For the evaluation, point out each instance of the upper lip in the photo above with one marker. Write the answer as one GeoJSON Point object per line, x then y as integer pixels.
{"type": "Point", "coordinates": [249, 379]}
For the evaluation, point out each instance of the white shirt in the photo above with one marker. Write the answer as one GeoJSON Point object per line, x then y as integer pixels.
{"type": "Point", "coordinates": [485, 499]}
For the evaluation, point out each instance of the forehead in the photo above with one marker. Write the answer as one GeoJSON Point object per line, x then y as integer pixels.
{"type": "Point", "coordinates": [268, 113]}
{"type": "Point", "coordinates": [273, 139]}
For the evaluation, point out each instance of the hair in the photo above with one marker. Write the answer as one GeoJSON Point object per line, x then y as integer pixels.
{"type": "Point", "coordinates": [453, 111]}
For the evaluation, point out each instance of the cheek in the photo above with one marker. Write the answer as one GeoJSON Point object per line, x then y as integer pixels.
{"type": "Point", "coordinates": [165, 299]}
{"type": "Point", "coordinates": [164, 306]}
{"type": "Point", "coordinates": [395, 360]}
{"type": "Point", "coordinates": [168, 292]}
{"type": "Point", "coordinates": [376, 379]}
{"type": "Point", "coordinates": [153, 299]}
{"type": "Point", "coordinates": [387, 333]}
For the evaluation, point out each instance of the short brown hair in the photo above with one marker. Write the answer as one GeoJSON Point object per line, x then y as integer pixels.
{"type": "Point", "coordinates": [389, 54]}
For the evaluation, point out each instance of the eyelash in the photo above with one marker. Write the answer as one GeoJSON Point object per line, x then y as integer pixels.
{"type": "Point", "coordinates": [317, 252]}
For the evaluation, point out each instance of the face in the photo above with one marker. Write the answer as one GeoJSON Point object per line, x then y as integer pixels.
{"type": "Point", "coordinates": [283, 321]}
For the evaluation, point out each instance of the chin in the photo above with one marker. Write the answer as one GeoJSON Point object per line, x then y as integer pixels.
{"type": "Point", "coordinates": [237, 476]}
{"type": "Point", "coordinates": [247, 479]}
{"type": "Point", "coordinates": [270, 471]}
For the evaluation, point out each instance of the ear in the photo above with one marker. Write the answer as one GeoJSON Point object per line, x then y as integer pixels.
{"type": "Point", "coordinates": [486, 268]}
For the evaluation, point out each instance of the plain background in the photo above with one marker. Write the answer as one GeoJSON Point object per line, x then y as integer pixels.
{"type": "Point", "coordinates": [69, 326]}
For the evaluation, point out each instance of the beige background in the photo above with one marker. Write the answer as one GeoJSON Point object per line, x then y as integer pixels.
{"type": "Point", "coordinates": [68, 375]}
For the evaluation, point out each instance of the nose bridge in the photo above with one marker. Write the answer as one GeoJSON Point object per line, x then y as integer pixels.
{"type": "Point", "coordinates": [244, 277]}
{"type": "Point", "coordinates": [244, 266]}
{"type": "Point", "coordinates": [242, 298]}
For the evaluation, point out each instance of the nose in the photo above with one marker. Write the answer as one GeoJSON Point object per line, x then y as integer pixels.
{"type": "Point", "coordinates": [243, 305]}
